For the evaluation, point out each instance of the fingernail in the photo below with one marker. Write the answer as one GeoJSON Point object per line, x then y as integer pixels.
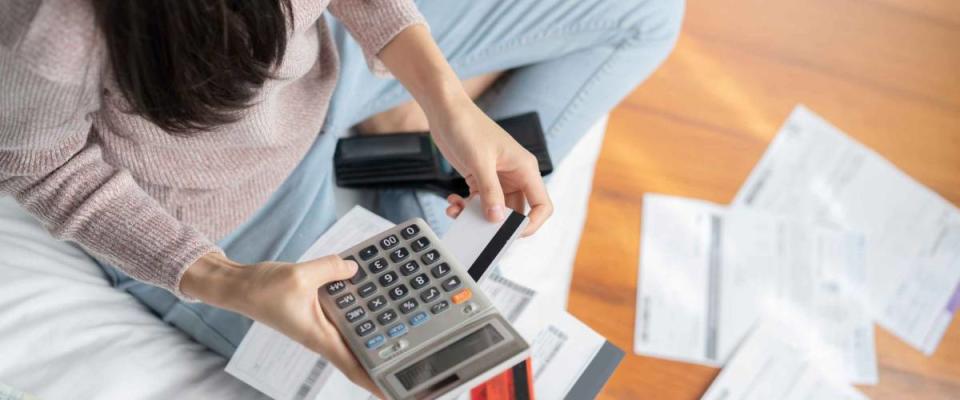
{"type": "Point", "coordinates": [495, 213]}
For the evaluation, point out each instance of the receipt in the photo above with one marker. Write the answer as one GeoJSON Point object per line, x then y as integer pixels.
{"type": "Point", "coordinates": [812, 170]}
{"type": "Point", "coordinates": [708, 274]}
{"type": "Point", "coordinates": [775, 363]}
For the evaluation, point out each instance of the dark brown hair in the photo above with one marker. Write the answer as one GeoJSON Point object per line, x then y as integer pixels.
{"type": "Point", "coordinates": [190, 65]}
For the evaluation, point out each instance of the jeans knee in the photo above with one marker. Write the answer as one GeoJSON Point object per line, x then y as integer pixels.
{"type": "Point", "coordinates": [647, 21]}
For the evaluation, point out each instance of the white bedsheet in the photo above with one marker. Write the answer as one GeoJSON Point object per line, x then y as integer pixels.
{"type": "Point", "coordinates": [65, 333]}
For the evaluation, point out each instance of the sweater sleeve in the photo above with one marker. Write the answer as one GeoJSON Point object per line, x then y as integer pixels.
{"type": "Point", "coordinates": [374, 23]}
{"type": "Point", "coordinates": [51, 163]}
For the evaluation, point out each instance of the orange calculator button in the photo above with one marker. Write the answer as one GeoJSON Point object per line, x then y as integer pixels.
{"type": "Point", "coordinates": [461, 297]}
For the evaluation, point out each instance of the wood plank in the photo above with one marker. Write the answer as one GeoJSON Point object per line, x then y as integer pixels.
{"type": "Point", "coordinates": [701, 122]}
{"type": "Point", "coordinates": [857, 40]}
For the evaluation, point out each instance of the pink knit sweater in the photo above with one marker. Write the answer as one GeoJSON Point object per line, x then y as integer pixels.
{"type": "Point", "coordinates": [146, 201]}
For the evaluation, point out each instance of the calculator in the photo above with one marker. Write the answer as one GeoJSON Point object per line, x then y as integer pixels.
{"type": "Point", "coordinates": [415, 320]}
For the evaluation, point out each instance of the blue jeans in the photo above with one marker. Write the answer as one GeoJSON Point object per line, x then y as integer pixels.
{"type": "Point", "coordinates": [571, 61]}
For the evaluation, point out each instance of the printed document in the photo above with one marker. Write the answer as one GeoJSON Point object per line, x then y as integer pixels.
{"type": "Point", "coordinates": [774, 363]}
{"type": "Point", "coordinates": [709, 273]}
{"type": "Point", "coordinates": [561, 346]}
{"type": "Point", "coordinates": [814, 171]}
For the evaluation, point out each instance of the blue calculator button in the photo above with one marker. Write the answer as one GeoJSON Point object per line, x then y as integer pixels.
{"type": "Point", "coordinates": [397, 330]}
{"type": "Point", "coordinates": [419, 318]}
{"type": "Point", "coordinates": [375, 342]}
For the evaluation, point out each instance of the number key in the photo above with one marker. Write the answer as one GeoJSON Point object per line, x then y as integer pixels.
{"type": "Point", "coordinates": [430, 257]}
{"type": "Point", "coordinates": [388, 279]}
{"type": "Point", "coordinates": [410, 231]}
{"type": "Point", "coordinates": [398, 292]}
{"type": "Point", "coordinates": [378, 265]}
{"type": "Point", "coordinates": [409, 268]}
{"type": "Point", "coordinates": [399, 254]}
{"type": "Point", "coordinates": [440, 270]}
{"type": "Point", "coordinates": [420, 244]}
{"type": "Point", "coordinates": [419, 281]}
{"type": "Point", "coordinates": [388, 242]}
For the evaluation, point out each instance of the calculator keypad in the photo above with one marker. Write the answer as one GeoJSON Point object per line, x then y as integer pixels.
{"type": "Point", "coordinates": [398, 296]}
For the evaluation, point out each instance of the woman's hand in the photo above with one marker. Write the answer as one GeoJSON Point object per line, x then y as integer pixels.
{"type": "Point", "coordinates": [496, 167]}
{"type": "Point", "coordinates": [283, 296]}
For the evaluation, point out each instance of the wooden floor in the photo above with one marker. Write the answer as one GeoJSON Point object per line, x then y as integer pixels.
{"type": "Point", "coordinates": [886, 72]}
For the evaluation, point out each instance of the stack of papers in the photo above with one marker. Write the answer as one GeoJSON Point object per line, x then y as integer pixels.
{"type": "Point", "coordinates": [569, 358]}
{"type": "Point", "coordinates": [825, 236]}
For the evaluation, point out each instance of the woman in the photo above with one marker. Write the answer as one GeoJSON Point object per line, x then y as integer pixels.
{"type": "Point", "coordinates": [186, 145]}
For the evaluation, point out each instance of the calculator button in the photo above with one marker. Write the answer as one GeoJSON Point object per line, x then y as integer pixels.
{"type": "Point", "coordinates": [355, 314]}
{"type": "Point", "coordinates": [365, 328]}
{"type": "Point", "coordinates": [461, 296]}
{"type": "Point", "coordinates": [368, 252]}
{"type": "Point", "coordinates": [430, 257]}
{"type": "Point", "coordinates": [387, 317]}
{"type": "Point", "coordinates": [346, 300]}
{"type": "Point", "coordinates": [375, 342]}
{"type": "Point", "coordinates": [409, 268]}
{"type": "Point", "coordinates": [419, 281]}
{"type": "Point", "coordinates": [410, 231]}
{"type": "Point", "coordinates": [378, 265]}
{"type": "Point", "coordinates": [407, 306]}
{"type": "Point", "coordinates": [389, 278]}
{"type": "Point", "coordinates": [429, 295]}
{"type": "Point", "coordinates": [452, 283]}
{"type": "Point", "coordinates": [440, 307]}
{"type": "Point", "coordinates": [440, 270]}
{"type": "Point", "coordinates": [359, 276]}
{"type": "Point", "coordinates": [377, 303]}
{"type": "Point", "coordinates": [388, 242]}
{"type": "Point", "coordinates": [419, 318]}
{"type": "Point", "coordinates": [336, 287]}
{"type": "Point", "coordinates": [367, 289]}
{"type": "Point", "coordinates": [399, 254]}
{"type": "Point", "coordinates": [420, 244]}
{"type": "Point", "coordinates": [398, 292]}
{"type": "Point", "coordinates": [397, 330]}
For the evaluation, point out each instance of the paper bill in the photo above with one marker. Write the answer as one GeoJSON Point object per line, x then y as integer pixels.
{"type": "Point", "coordinates": [812, 170]}
{"type": "Point", "coordinates": [773, 363]}
{"type": "Point", "coordinates": [708, 274]}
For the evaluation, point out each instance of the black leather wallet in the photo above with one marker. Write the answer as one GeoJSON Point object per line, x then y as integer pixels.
{"type": "Point", "coordinates": [412, 160]}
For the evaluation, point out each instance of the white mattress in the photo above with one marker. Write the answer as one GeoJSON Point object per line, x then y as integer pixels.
{"type": "Point", "coordinates": [66, 334]}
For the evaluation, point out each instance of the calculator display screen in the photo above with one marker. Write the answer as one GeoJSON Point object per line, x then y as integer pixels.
{"type": "Point", "coordinates": [440, 361]}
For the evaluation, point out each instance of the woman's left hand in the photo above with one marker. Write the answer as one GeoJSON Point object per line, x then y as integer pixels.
{"type": "Point", "coordinates": [496, 167]}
